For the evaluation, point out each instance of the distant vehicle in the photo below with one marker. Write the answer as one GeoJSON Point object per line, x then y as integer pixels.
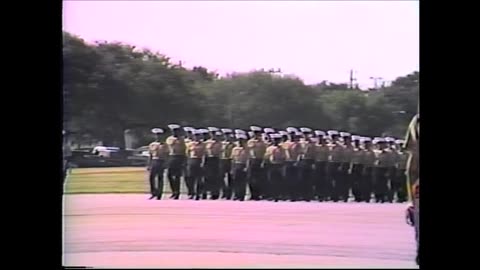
{"type": "Point", "coordinates": [107, 156]}
{"type": "Point", "coordinates": [139, 156]}
{"type": "Point", "coordinates": [104, 151]}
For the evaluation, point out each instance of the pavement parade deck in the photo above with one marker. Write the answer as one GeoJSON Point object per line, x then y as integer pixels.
{"type": "Point", "coordinates": [125, 231]}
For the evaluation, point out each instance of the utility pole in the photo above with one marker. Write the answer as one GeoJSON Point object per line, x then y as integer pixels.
{"type": "Point", "coordinates": [352, 79]}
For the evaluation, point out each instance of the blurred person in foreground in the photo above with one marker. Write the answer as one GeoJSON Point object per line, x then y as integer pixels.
{"type": "Point", "coordinates": [67, 154]}
{"type": "Point", "coordinates": [412, 146]}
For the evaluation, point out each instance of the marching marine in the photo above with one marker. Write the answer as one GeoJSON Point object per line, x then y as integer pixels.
{"type": "Point", "coordinates": [176, 159]}
{"type": "Point", "coordinates": [226, 163]}
{"type": "Point", "coordinates": [368, 162]}
{"type": "Point", "coordinates": [256, 178]}
{"type": "Point", "coordinates": [189, 132]}
{"type": "Point", "coordinates": [195, 163]}
{"type": "Point", "coordinates": [267, 188]}
{"type": "Point", "coordinates": [322, 187]}
{"type": "Point", "coordinates": [345, 183]}
{"type": "Point", "coordinates": [382, 164]}
{"type": "Point", "coordinates": [212, 164]}
{"type": "Point", "coordinates": [392, 169]}
{"type": "Point", "coordinates": [307, 160]}
{"type": "Point", "coordinates": [291, 189]}
{"type": "Point", "coordinates": [156, 164]}
{"type": "Point", "coordinates": [189, 182]}
{"type": "Point", "coordinates": [357, 168]}
{"type": "Point", "coordinates": [400, 180]}
{"type": "Point", "coordinates": [335, 165]}
{"type": "Point", "coordinates": [240, 162]}
{"type": "Point", "coordinates": [275, 156]}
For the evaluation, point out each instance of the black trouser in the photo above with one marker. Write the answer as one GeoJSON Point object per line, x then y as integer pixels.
{"type": "Point", "coordinates": [367, 184]}
{"type": "Point", "coordinates": [417, 225]}
{"type": "Point", "coordinates": [239, 183]}
{"type": "Point", "coordinates": [194, 175]}
{"type": "Point", "coordinates": [226, 177]}
{"type": "Point", "coordinates": [345, 184]}
{"type": "Point", "coordinates": [175, 169]}
{"type": "Point", "coordinates": [322, 188]}
{"type": "Point", "coordinates": [391, 174]}
{"type": "Point", "coordinates": [400, 184]}
{"type": "Point", "coordinates": [276, 179]}
{"type": "Point", "coordinates": [291, 188]}
{"type": "Point", "coordinates": [306, 179]}
{"type": "Point", "coordinates": [212, 176]}
{"type": "Point", "coordinates": [156, 177]}
{"type": "Point", "coordinates": [265, 187]}
{"type": "Point", "coordinates": [334, 175]}
{"type": "Point", "coordinates": [256, 178]}
{"type": "Point", "coordinates": [189, 180]}
{"type": "Point", "coordinates": [356, 181]}
{"type": "Point", "coordinates": [65, 169]}
{"type": "Point", "coordinates": [380, 187]}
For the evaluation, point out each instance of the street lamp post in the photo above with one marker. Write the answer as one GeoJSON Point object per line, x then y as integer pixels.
{"type": "Point", "coordinates": [375, 80]}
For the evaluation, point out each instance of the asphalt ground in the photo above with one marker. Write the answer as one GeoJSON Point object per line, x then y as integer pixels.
{"type": "Point", "coordinates": [128, 230]}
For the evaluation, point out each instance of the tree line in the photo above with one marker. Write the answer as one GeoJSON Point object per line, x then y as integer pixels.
{"type": "Point", "coordinates": [110, 87]}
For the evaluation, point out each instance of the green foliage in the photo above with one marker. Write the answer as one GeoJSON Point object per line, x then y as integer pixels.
{"type": "Point", "coordinates": [111, 87]}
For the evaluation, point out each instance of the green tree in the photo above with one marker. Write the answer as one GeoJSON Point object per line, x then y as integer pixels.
{"type": "Point", "coordinates": [110, 87]}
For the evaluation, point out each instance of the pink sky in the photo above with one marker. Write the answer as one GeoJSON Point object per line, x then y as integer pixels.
{"type": "Point", "coordinates": [314, 40]}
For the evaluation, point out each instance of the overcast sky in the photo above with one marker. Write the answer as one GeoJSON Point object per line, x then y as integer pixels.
{"type": "Point", "coordinates": [315, 40]}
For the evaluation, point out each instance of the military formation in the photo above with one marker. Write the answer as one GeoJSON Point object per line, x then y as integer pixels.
{"type": "Point", "coordinates": [296, 164]}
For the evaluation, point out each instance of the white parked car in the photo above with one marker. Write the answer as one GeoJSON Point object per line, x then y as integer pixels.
{"type": "Point", "coordinates": [104, 151]}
